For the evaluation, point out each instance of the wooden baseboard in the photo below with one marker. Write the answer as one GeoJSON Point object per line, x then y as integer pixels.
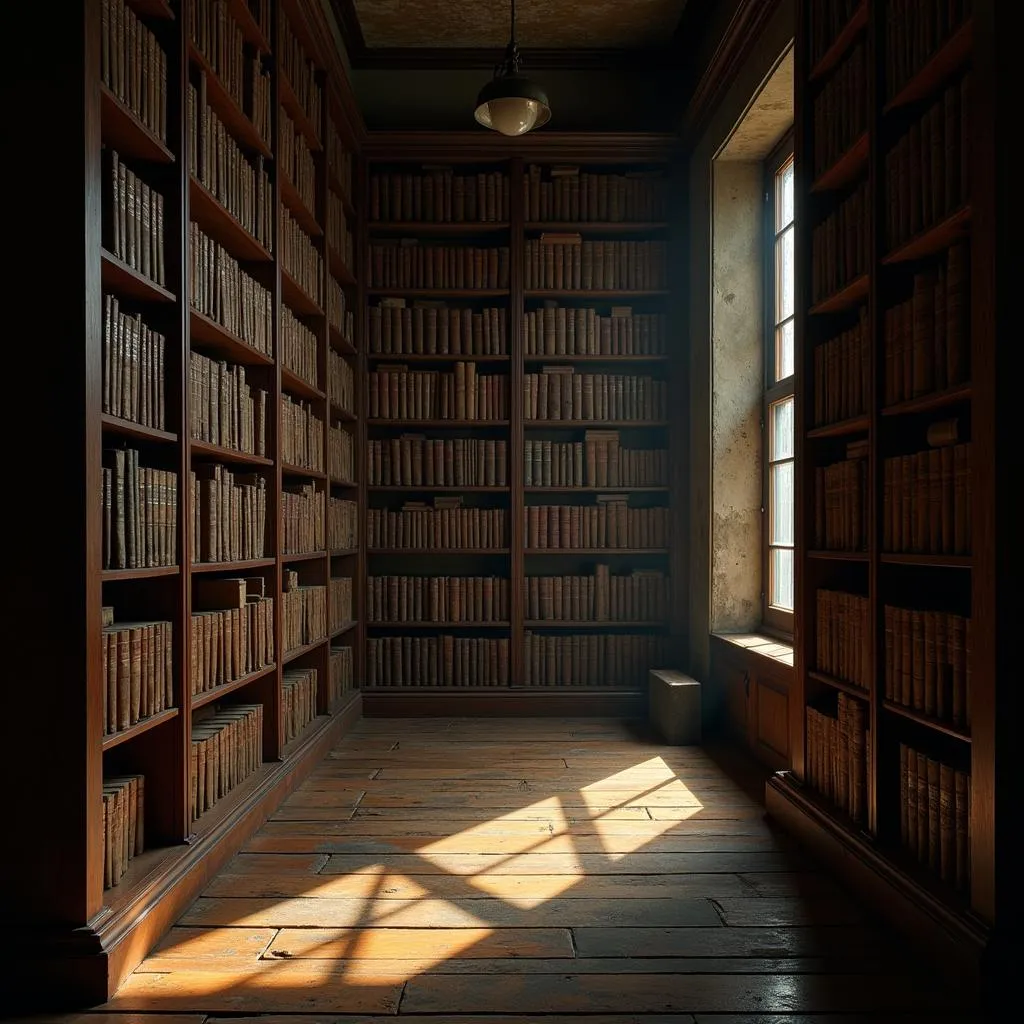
{"type": "Point", "coordinates": [942, 933]}
{"type": "Point", "coordinates": [412, 703]}
{"type": "Point", "coordinates": [81, 967]}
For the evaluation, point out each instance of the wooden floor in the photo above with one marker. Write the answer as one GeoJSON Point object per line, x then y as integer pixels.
{"type": "Point", "coordinates": [556, 870]}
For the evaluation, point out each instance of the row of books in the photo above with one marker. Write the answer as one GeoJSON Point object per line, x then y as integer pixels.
{"type": "Point", "coordinates": [339, 316]}
{"type": "Point", "coordinates": [301, 74]}
{"type": "Point", "coordinates": [302, 434]}
{"type": "Point", "coordinates": [926, 340]}
{"type": "Point", "coordinates": [827, 18]}
{"type": "Point", "coordinates": [560, 393]}
{"type": "Point", "coordinates": [424, 661]}
{"type": "Point", "coordinates": [229, 514]}
{"type": "Point", "coordinates": [341, 606]}
{"type": "Point", "coordinates": [837, 754]}
{"type": "Point", "coordinates": [302, 519]}
{"type": "Point", "coordinates": [432, 328]}
{"type": "Point", "coordinates": [446, 524]}
{"type": "Point", "coordinates": [566, 262]}
{"type": "Point", "coordinates": [133, 367]}
{"type": "Point", "coordinates": [220, 289]}
{"type": "Point", "coordinates": [927, 172]}
{"type": "Point", "coordinates": [342, 524]}
{"type": "Point", "coordinates": [221, 166]}
{"type": "Point", "coordinates": [914, 31]}
{"type": "Point", "coordinates": [927, 502]}
{"type": "Point", "coordinates": [412, 460]}
{"type": "Point", "coordinates": [842, 374]}
{"type": "Point", "coordinates": [133, 219]}
{"type": "Point", "coordinates": [339, 159]}
{"type": "Point", "coordinates": [841, 502]}
{"type": "Point", "coordinates": [841, 110]}
{"type": "Point", "coordinates": [298, 347]}
{"type": "Point", "coordinates": [298, 700]}
{"type": "Point", "coordinates": [608, 523]}
{"type": "Point", "coordinates": [640, 596]}
{"type": "Point", "coordinates": [124, 824]}
{"type": "Point", "coordinates": [341, 382]}
{"type": "Point", "coordinates": [935, 816]}
{"type": "Point", "coordinates": [217, 36]}
{"type": "Point", "coordinates": [408, 264]}
{"type": "Point", "coordinates": [438, 599]}
{"type": "Point", "coordinates": [566, 193]}
{"type": "Point", "coordinates": [341, 455]}
{"type": "Point", "coordinates": [232, 631]}
{"type": "Point", "coordinates": [140, 512]}
{"type": "Point", "coordinates": [342, 674]}
{"type": "Point", "coordinates": [296, 161]}
{"type": "Point", "coordinates": [300, 257]}
{"type": "Point", "coordinates": [303, 612]}
{"type": "Point", "coordinates": [227, 747]}
{"type": "Point", "coordinates": [597, 461]}
{"type": "Point", "coordinates": [566, 331]}
{"type": "Point", "coordinates": [133, 66]}
{"type": "Point", "coordinates": [396, 392]}
{"type": "Point", "coordinates": [138, 673]}
{"type": "Point", "coordinates": [928, 663]}
{"type": "Point", "coordinates": [339, 235]}
{"type": "Point", "coordinates": [439, 196]}
{"type": "Point", "coordinates": [591, 659]}
{"type": "Point", "coordinates": [843, 637]}
{"type": "Point", "coordinates": [223, 408]}
{"type": "Point", "coordinates": [839, 245]}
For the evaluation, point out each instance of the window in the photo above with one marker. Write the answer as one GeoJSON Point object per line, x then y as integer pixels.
{"type": "Point", "coordinates": [779, 406]}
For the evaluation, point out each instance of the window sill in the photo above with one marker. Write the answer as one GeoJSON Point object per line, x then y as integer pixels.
{"type": "Point", "coordinates": [762, 645]}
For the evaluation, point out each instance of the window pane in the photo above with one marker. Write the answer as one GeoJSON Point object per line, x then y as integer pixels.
{"type": "Point", "coordinates": [785, 360]}
{"type": "Point", "coordinates": [784, 271]}
{"type": "Point", "coordinates": [782, 579]}
{"type": "Point", "coordinates": [782, 413]}
{"type": "Point", "coordinates": [782, 503]}
{"type": "Point", "coordinates": [784, 196]}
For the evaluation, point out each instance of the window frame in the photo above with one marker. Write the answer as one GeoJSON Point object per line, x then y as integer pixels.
{"type": "Point", "coordinates": [776, 621]}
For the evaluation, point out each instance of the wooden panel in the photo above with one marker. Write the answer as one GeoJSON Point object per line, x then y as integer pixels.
{"type": "Point", "coordinates": [773, 719]}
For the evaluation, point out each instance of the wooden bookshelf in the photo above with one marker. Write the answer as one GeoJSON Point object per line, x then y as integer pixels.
{"type": "Point", "coordinates": [959, 587]}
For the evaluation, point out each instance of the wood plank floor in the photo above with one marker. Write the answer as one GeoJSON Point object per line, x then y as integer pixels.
{"type": "Point", "coordinates": [528, 870]}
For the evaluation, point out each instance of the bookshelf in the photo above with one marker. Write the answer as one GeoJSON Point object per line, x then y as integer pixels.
{"type": "Point", "coordinates": [451, 494]}
{"type": "Point", "coordinates": [895, 584]}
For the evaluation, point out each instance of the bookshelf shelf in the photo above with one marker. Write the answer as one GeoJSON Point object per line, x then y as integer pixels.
{"type": "Point", "coordinates": [846, 298]}
{"type": "Point", "coordinates": [846, 169]}
{"type": "Point", "coordinates": [444, 626]}
{"type": "Point", "coordinates": [109, 575]}
{"type": "Point", "coordinates": [291, 103]}
{"type": "Point", "coordinates": [951, 56]}
{"type": "Point", "coordinates": [940, 561]}
{"type": "Point", "coordinates": [550, 358]}
{"type": "Point", "coordinates": [348, 484]}
{"type": "Point", "coordinates": [854, 425]}
{"type": "Point", "coordinates": [934, 239]}
{"type": "Point", "coordinates": [295, 385]}
{"type": "Point", "coordinates": [126, 428]}
{"type": "Point", "coordinates": [592, 624]}
{"type": "Point", "coordinates": [840, 556]}
{"type": "Point", "coordinates": [212, 336]}
{"type": "Point", "coordinates": [438, 357]}
{"type": "Point", "coordinates": [571, 552]}
{"type": "Point", "coordinates": [312, 474]}
{"type": "Point", "coordinates": [437, 552]}
{"type": "Point", "coordinates": [596, 490]}
{"type": "Point", "coordinates": [509, 693]}
{"type": "Point", "coordinates": [596, 294]}
{"type": "Point", "coordinates": [946, 728]}
{"type": "Point", "coordinates": [344, 415]}
{"type": "Point", "coordinates": [298, 208]}
{"type": "Point", "coordinates": [299, 652]}
{"type": "Point", "coordinates": [305, 556]}
{"type": "Point", "coordinates": [223, 103]}
{"type": "Point", "coordinates": [334, 183]}
{"type": "Point", "coordinates": [484, 227]}
{"type": "Point", "coordinates": [339, 269]}
{"type": "Point", "coordinates": [934, 400]}
{"type": "Point", "coordinates": [127, 134]}
{"type": "Point", "coordinates": [249, 26]}
{"type": "Point", "coordinates": [593, 424]}
{"type": "Point", "coordinates": [153, 9]}
{"type": "Point", "coordinates": [294, 295]}
{"type": "Point", "coordinates": [834, 54]}
{"type": "Point", "coordinates": [215, 451]}
{"type": "Point", "coordinates": [218, 692]}
{"type": "Point", "coordinates": [115, 739]}
{"type": "Point", "coordinates": [446, 424]}
{"type": "Point", "coordinates": [340, 343]}
{"type": "Point", "coordinates": [222, 226]}
{"type": "Point", "coordinates": [840, 684]}
{"type": "Point", "coordinates": [344, 552]}
{"type": "Point", "coordinates": [118, 277]}
{"type": "Point", "coordinates": [244, 566]}
{"type": "Point", "coordinates": [435, 488]}
{"type": "Point", "coordinates": [341, 630]}
{"type": "Point", "coordinates": [441, 293]}
{"type": "Point", "coordinates": [602, 227]}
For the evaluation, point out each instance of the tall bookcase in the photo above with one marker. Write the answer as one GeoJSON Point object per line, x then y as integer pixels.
{"type": "Point", "coordinates": [532, 657]}
{"type": "Point", "coordinates": [895, 703]}
{"type": "Point", "coordinates": [225, 352]}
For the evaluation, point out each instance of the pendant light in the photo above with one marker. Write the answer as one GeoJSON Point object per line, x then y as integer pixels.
{"type": "Point", "coordinates": [510, 103]}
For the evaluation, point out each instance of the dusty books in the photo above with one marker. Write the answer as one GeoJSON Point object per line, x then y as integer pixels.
{"type": "Point", "coordinates": [133, 66]}
{"type": "Point", "coordinates": [138, 679]}
{"type": "Point", "coordinates": [443, 524]}
{"type": "Point", "coordinates": [568, 193]}
{"type": "Point", "coordinates": [300, 257]}
{"type": "Point", "coordinates": [423, 661]}
{"type": "Point", "coordinates": [590, 659]}
{"type": "Point", "coordinates": [416, 461]}
{"type": "Point", "coordinates": [433, 328]}
{"type": "Point", "coordinates": [302, 434]}
{"type": "Point", "coordinates": [561, 330]}
{"type": "Point", "coordinates": [341, 454]}
{"type": "Point", "coordinates": [840, 502]}
{"type": "Point", "coordinates": [301, 73]}
{"type": "Point", "coordinates": [409, 264]}
{"type": "Point", "coordinates": [639, 596]}
{"type": "Point", "coordinates": [609, 523]}
{"type": "Point", "coordinates": [843, 637]}
{"type": "Point", "coordinates": [133, 367]}
{"type": "Point", "coordinates": [841, 110]}
{"type": "Point", "coordinates": [463, 393]}
{"type": "Point", "coordinates": [342, 675]}
{"type": "Point", "coordinates": [439, 599]}
{"type": "Point", "coordinates": [298, 700]}
{"type": "Point", "coordinates": [438, 195]}
{"type": "Point", "coordinates": [133, 219]}
{"type": "Point", "coordinates": [342, 524]}
{"type": "Point", "coordinates": [839, 245]}
{"type": "Point", "coordinates": [124, 816]}
{"type": "Point", "coordinates": [303, 612]}
{"type": "Point", "coordinates": [339, 235]}
{"type": "Point", "coordinates": [140, 512]}
{"type": "Point", "coordinates": [341, 383]}
{"type": "Point", "coordinates": [303, 514]}
{"type": "Point", "coordinates": [223, 408]}
{"type": "Point", "coordinates": [339, 158]}
{"type": "Point", "coordinates": [562, 265]}
{"type": "Point", "coordinates": [342, 608]}
{"type": "Point", "coordinates": [837, 754]}
{"type": "Point", "coordinates": [296, 160]}
{"type": "Point", "coordinates": [561, 393]}
{"type": "Point", "coordinates": [842, 368]}
{"type": "Point", "coordinates": [227, 747]}
{"type": "Point", "coordinates": [229, 514]}
{"type": "Point", "coordinates": [598, 461]}
{"type": "Point", "coordinates": [298, 347]}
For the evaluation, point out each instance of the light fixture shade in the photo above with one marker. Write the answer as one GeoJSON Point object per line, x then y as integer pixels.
{"type": "Point", "coordinates": [512, 105]}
